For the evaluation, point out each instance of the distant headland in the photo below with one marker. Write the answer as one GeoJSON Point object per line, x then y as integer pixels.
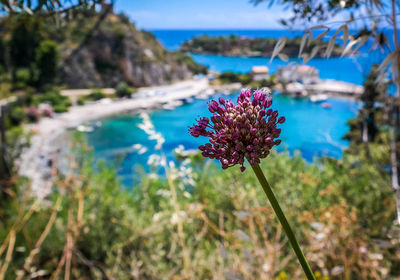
{"type": "Point", "coordinates": [251, 47]}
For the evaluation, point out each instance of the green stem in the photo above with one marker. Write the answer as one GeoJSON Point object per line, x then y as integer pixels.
{"type": "Point", "coordinates": [278, 211]}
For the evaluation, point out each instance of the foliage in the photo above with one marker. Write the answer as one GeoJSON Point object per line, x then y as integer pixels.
{"type": "Point", "coordinates": [314, 10]}
{"type": "Point", "coordinates": [365, 127]}
{"type": "Point", "coordinates": [80, 101]}
{"type": "Point", "coordinates": [96, 94]}
{"type": "Point", "coordinates": [45, 8]}
{"type": "Point", "coordinates": [218, 227]}
{"type": "Point", "coordinates": [25, 39]}
{"type": "Point", "coordinates": [17, 140]}
{"type": "Point", "coordinates": [123, 90]}
{"type": "Point", "coordinates": [53, 97]}
{"type": "Point", "coordinates": [21, 78]}
{"type": "Point", "coordinates": [235, 46]}
{"type": "Point", "coordinates": [245, 80]}
{"type": "Point", "coordinates": [17, 115]}
{"type": "Point", "coordinates": [46, 61]}
{"type": "Point", "coordinates": [191, 64]}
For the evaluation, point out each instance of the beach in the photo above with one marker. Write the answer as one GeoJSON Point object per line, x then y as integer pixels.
{"type": "Point", "coordinates": [36, 161]}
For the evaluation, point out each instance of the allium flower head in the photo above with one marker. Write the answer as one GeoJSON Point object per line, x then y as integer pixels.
{"type": "Point", "coordinates": [238, 132]}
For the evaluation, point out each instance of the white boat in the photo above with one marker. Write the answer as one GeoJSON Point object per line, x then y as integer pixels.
{"type": "Point", "coordinates": [172, 104]}
{"type": "Point", "coordinates": [318, 98]}
{"type": "Point", "coordinates": [85, 128]}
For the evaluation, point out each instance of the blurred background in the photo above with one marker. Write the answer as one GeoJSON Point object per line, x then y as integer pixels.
{"type": "Point", "coordinates": [100, 178]}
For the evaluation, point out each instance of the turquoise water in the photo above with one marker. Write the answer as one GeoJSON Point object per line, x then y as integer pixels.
{"type": "Point", "coordinates": [352, 70]}
{"type": "Point", "coordinates": [172, 39]}
{"type": "Point", "coordinates": [309, 128]}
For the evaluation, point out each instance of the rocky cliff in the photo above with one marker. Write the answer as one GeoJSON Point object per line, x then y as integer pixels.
{"type": "Point", "coordinates": [116, 51]}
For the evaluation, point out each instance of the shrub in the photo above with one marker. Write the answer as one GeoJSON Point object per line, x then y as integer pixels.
{"type": "Point", "coordinates": [32, 113]}
{"type": "Point", "coordinates": [96, 94]}
{"type": "Point", "coordinates": [80, 101]}
{"type": "Point", "coordinates": [54, 98]}
{"type": "Point", "coordinates": [60, 108]}
{"type": "Point", "coordinates": [22, 78]}
{"type": "Point", "coordinates": [17, 115]}
{"type": "Point", "coordinates": [123, 90]}
{"type": "Point", "coordinates": [46, 61]}
{"type": "Point", "coordinates": [228, 228]}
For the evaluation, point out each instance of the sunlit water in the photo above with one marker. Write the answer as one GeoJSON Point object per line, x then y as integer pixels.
{"type": "Point", "coordinates": [349, 69]}
{"type": "Point", "coordinates": [309, 128]}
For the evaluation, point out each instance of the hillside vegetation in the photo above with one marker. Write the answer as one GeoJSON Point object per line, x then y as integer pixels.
{"type": "Point", "coordinates": [89, 50]}
{"type": "Point", "coordinates": [243, 46]}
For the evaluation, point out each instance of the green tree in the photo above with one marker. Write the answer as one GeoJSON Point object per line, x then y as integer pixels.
{"type": "Point", "coordinates": [46, 61]}
{"type": "Point", "coordinates": [25, 38]}
{"type": "Point", "coordinates": [2, 56]}
{"type": "Point", "coordinates": [123, 90]}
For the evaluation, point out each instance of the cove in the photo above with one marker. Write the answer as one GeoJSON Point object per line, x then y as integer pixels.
{"type": "Point", "coordinates": [309, 128]}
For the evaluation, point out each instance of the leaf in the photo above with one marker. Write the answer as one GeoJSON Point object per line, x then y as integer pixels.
{"type": "Point", "coordinates": [318, 27]}
{"type": "Point", "coordinates": [29, 11]}
{"type": "Point", "coordinates": [361, 42]}
{"type": "Point", "coordinates": [349, 46]}
{"type": "Point", "coordinates": [278, 47]}
{"type": "Point", "coordinates": [340, 29]}
{"type": "Point", "coordinates": [314, 51]}
{"type": "Point", "coordinates": [306, 58]}
{"type": "Point", "coordinates": [283, 56]}
{"type": "Point", "coordinates": [330, 47]}
{"type": "Point", "coordinates": [386, 61]}
{"type": "Point", "coordinates": [345, 34]}
{"type": "Point", "coordinates": [303, 43]}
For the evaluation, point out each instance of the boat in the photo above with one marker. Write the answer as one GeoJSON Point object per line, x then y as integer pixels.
{"type": "Point", "coordinates": [318, 98]}
{"type": "Point", "coordinates": [171, 105]}
{"type": "Point", "coordinates": [85, 128]}
{"type": "Point", "coordinates": [326, 105]}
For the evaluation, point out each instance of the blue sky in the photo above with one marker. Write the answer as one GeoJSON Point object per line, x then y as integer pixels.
{"type": "Point", "coordinates": [201, 14]}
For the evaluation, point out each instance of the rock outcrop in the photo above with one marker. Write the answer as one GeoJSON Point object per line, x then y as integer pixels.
{"type": "Point", "coordinates": [116, 52]}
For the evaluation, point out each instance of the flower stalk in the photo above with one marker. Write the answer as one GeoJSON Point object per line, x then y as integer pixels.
{"type": "Point", "coordinates": [247, 130]}
{"type": "Point", "coordinates": [282, 219]}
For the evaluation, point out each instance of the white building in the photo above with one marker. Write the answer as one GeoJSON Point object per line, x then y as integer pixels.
{"type": "Point", "coordinates": [259, 73]}
{"type": "Point", "coordinates": [299, 73]}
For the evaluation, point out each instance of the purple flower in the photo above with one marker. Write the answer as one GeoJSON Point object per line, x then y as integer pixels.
{"type": "Point", "coordinates": [239, 132]}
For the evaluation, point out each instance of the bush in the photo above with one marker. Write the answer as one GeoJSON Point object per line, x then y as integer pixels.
{"type": "Point", "coordinates": [17, 115]}
{"type": "Point", "coordinates": [230, 77]}
{"type": "Point", "coordinates": [60, 108]}
{"type": "Point", "coordinates": [54, 98]}
{"type": "Point", "coordinates": [80, 101]}
{"type": "Point", "coordinates": [196, 68]}
{"type": "Point", "coordinates": [96, 94]}
{"type": "Point", "coordinates": [32, 113]}
{"type": "Point", "coordinates": [228, 228]}
{"type": "Point", "coordinates": [46, 61]}
{"type": "Point", "coordinates": [123, 90]}
{"type": "Point", "coordinates": [22, 78]}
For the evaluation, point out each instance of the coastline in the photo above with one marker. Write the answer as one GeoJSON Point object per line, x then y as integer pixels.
{"type": "Point", "coordinates": [36, 160]}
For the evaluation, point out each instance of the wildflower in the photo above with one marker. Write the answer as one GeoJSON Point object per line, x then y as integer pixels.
{"type": "Point", "coordinates": [238, 132]}
{"type": "Point", "coordinates": [247, 131]}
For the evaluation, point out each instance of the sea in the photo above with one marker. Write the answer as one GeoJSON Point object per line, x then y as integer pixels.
{"type": "Point", "coordinates": [310, 129]}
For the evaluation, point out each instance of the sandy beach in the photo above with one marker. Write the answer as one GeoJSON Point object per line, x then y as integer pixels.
{"type": "Point", "coordinates": [36, 161]}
